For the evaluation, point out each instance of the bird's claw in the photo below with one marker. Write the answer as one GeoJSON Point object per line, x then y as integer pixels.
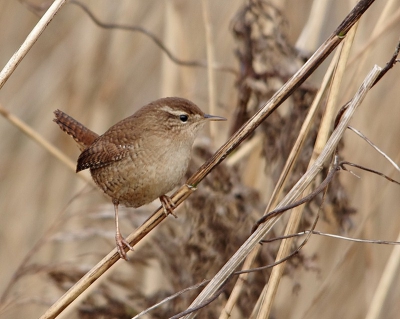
{"type": "Point", "coordinates": [121, 244]}
{"type": "Point", "coordinates": [168, 205]}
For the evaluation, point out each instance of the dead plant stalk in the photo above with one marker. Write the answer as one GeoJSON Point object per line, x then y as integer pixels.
{"type": "Point", "coordinates": [294, 193]}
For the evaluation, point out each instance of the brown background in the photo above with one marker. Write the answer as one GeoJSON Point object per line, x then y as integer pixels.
{"type": "Point", "coordinates": [100, 76]}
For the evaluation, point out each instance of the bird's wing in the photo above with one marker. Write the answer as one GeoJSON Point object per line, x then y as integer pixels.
{"type": "Point", "coordinates": [100, 155]}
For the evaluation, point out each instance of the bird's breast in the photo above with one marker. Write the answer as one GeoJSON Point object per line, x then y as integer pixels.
{"type": "Point", "coordinates": [147, 173]}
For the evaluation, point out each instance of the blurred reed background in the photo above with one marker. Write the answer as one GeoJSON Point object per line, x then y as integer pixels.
{"type": "Point", "coordinates": [100, 76]}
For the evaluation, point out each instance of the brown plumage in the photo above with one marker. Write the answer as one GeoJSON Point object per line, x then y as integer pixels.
{"type": "Point", "coordinates": [142, 157]}
{"type": "Point", "coordinates": [81, 134]}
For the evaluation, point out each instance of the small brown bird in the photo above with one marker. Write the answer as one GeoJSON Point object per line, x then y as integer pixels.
{"type": "Point", "coordinates": [142, 157]}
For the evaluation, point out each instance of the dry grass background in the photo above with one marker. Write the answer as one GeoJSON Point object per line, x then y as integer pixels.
{"type": "Point", "coordinates": [101, 76]}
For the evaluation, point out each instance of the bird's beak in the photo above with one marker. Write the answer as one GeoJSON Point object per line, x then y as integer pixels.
{"type": "Point", "coordinates": [214, 117]}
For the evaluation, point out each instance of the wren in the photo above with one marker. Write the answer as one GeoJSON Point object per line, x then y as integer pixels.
{"type": "Point", "coordinates": [142, 157]}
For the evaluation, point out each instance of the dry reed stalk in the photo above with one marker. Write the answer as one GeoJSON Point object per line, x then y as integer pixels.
{"type": "Point", "coordinates": [302, 134]}
{"type": "Point", "coordinates": [29, 41]}
{"type": "Point", "coordinates": [323, 135]}
{"type": "Point", "coordinates": [296, 191]}
{"type": "Point", "coordinates": [341, 260]}
{"type": "Point", "coordinates": [386, 20]}
{"type": "Point", "coordinates": [237, 289]}
{"type": "Point", "coordinates": [35, 136]}
{"type": "Point", "coordinates": [283, 178]}
{"type": "Point", "coordinates": [382, 25]}
{"type": "Point", "coordinates": [10, 67]}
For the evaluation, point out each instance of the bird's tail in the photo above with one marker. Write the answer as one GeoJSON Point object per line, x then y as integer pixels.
{"type": "Point", "coordinates": [81, 134]}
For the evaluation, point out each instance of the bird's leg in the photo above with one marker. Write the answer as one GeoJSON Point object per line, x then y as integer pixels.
{"type": "Point", "coordinates": [120, 241]}
{"type": "Point", "coordinates": [168, 205]}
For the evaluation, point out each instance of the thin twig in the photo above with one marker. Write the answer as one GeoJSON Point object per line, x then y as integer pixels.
{"type": "Point", "coordinates": [169, 298]}
{"type": "Point", "coordinates": [34, 135]}
{"type": "Point", "coordinates": [343, 163]}
{"type": "Point", "coordinates": [316, 232]}
{"type": "Point", "coordinates": [390, 64]}
{"type": "Point", "coordinates": [29, 41]}
{"type": "Point", "coordinates": [279, 211]}
{"type": "Point", "coordinates": [36, 8]}
{"type": "Point", "coordinates": [382, 27]}
{"type": "Point", "coordinates": [152, 36]}
{"type": "Point", "coordinates": [205, 302]}
{"type": "Point", "coordinates": [374, 146]}
{"type": "Point", "coordinates": [26, 129]}
{"type": "Point", "coordinates": [336, 167]}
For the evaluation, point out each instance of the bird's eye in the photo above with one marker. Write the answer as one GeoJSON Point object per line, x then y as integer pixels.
{"type": "Point", "coordinates": [183, 118]}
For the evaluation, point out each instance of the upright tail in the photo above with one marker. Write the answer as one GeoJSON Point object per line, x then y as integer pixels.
{"type": "Point", "coordinates": [81, 134]}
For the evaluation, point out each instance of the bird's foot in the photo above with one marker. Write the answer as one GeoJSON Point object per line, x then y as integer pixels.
{"type": "Point", "coordinates": [121, 244]}
{"type": "Point", "coordinates": [168, 205]}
